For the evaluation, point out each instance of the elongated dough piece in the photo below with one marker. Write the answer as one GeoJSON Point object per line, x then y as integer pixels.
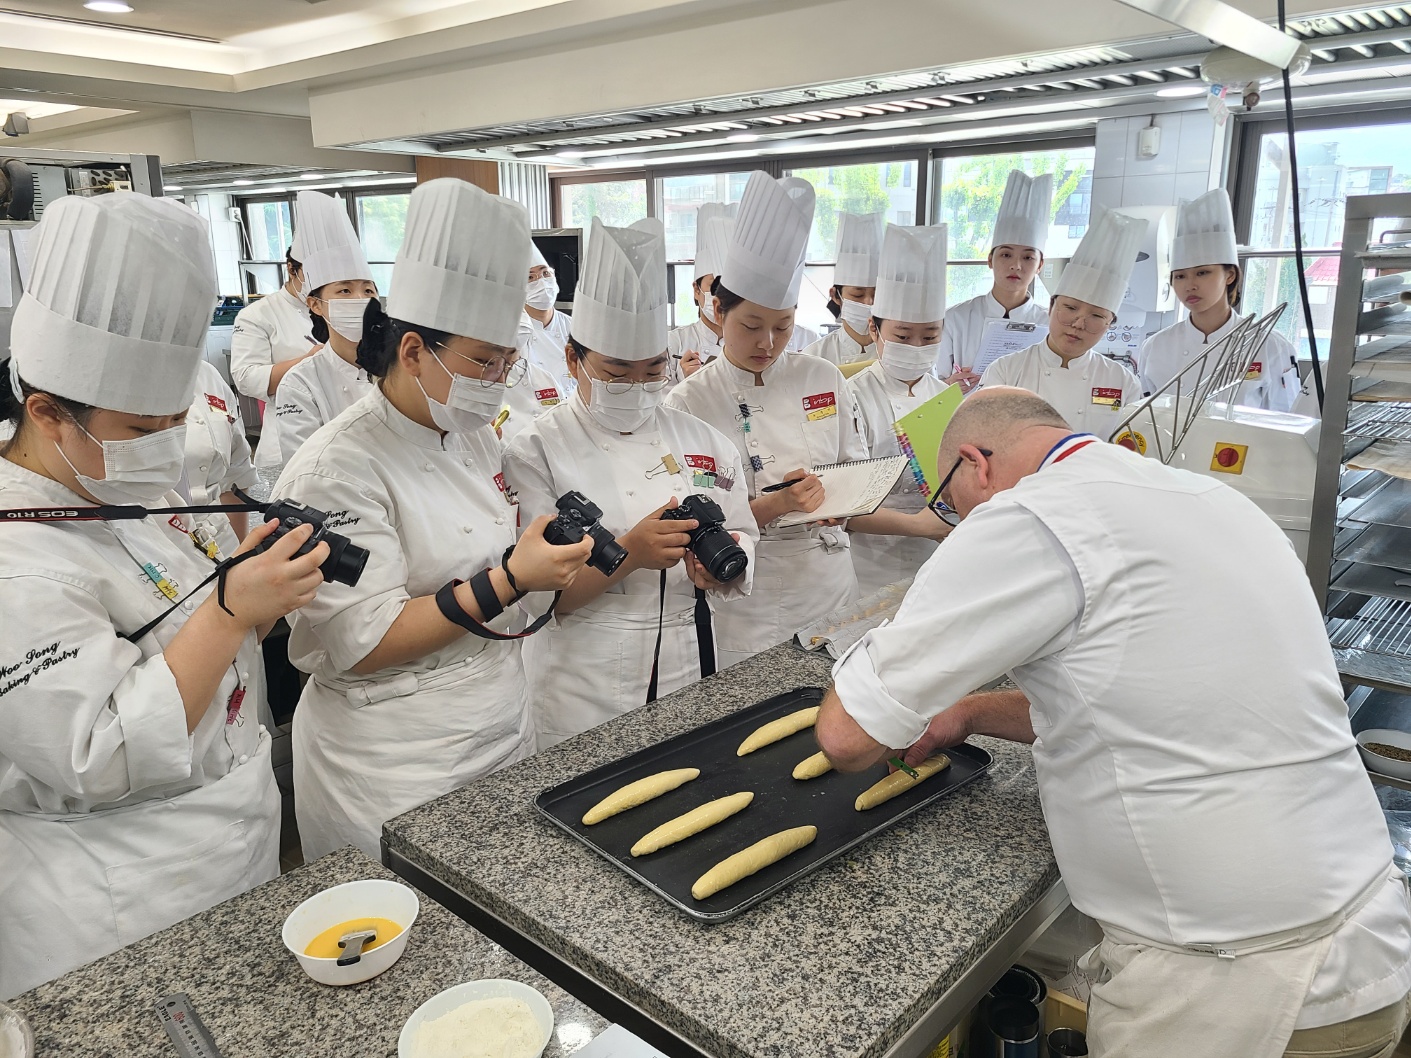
{"type": "Point", "coordinates": [816, 765]}
{"type": "Point", "coordinates": [899, 782]}
{"type": "Point", "coordinates": [751, 860]}
{"type": "Point", "coordinates": [638, 793]}
{"type": "Point", "coordinates": [693, 822]}
{"type": "Point", "coordinates": [777, 729]}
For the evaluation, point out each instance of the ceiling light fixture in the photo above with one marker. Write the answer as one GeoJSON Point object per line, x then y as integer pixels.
{"type": "Point", "coordinates": [171, 187]}
{"type": "Point", "coordinates": [109, 7]}
{"type": "Point", "coordinates": [570, 154]}
{"type": "Point", "coordinates": [742, 137]}
{"type": "Point", "coordinates": [242, 182]}
{"type": "Point", "coordinates": [1183, 91]}
{"type": "Point", "coordinates": [309, 176]}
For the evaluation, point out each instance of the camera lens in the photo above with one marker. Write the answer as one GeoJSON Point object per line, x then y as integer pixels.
{"type": "Point", "coordinates": [716, 550]}
{"type": "Point", "coordinates": [345, 562]}
{"type": "Point", "coordinates": [607, 554]}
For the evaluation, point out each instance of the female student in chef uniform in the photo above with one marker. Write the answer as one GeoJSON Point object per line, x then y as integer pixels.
{"type": "Point", "coordinates": [854, 287]}
{"type": "Point", "coordinates": [273, 333]}
{"type": "Point", "coordinates": [1090, 391]}
{"type": "Point", "coordinates": [321, 387]}
{"type": "Point", "coordinates": [135, 779]}
{"type": "Point", "coordinates": [406, 698]}
{"type": "Point", "coordinates": [1207, 279]}
{"type": "Point", "coordinates": [217, 461]}
{"type": "Point", "coordinates": [699, 342]}
{"type": "Point", "coordinates": [786, 414]}
{"type": "Point", "coordinates": [907, 322]}
{"type": "Point", "coordinates": [548, 326]}
{"type": "Point", "coordinates": [1016, 255]}
{"type": "Point", "coordinates": [530, 391]}
{"type": "Point", "coordinates": [634, 459]}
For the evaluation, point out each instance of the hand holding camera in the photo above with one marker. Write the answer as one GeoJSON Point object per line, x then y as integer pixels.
{"type": "Point", "coordinates": [661, 539]}
{"type": "Point", "coordinates": [543, 561]}
{"type": "Point", "coordinates": [284, 576]}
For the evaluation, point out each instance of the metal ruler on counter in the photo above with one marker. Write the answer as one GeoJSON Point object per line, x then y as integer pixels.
{"type": "Point", "coordinates": [185, 1027]}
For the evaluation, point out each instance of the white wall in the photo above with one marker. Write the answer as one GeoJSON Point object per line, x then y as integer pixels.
{"type": "Point", "coordinates": [225, 239]}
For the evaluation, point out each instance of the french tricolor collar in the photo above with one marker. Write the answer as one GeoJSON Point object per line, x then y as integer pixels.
{"type": "Point", "coordinates": [1067, 447]}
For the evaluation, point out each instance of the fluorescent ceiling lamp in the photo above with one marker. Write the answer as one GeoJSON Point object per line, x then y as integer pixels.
{"type": "Point", "coordinates": [570, 154]}
{"type": "Point", "coordinates": [742, 137]}
{"type": "Point", "coordinates": [1224, 25]}
{"type": "Point", "coordinates": [1183, 91]}
{"type": "Point", "coordinates": [309, 176]}
{"type": "Point", "coordinates": [242, 183]}
{"type": "Point", "coordinates": [171, 187]}
{"type": "Point", "coordinates": [109, 7]}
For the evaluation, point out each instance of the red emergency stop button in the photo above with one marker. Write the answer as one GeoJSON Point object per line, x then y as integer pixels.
{"type": "Point", "coordinates": [1228, 458]}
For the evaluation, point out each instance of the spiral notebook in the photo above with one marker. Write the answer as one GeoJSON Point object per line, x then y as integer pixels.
{"type": "Point", "coordinates": [919, 434]}
{"type": "Point", "coordinates": [850, 489]}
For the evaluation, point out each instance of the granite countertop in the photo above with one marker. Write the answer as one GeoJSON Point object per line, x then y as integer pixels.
{"type": "Point", "coordinates": [254, 997]}
{"type": "Point", "coordinates": [839, 965]}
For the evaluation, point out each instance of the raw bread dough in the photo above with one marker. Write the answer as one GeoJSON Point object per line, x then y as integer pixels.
{"type": "Point", "coordinates": [751, 860]}
{"type": "Point", "coordinates": [899, 782]}
{"type": "Point", "coordinates": [639, 792]}
{"type": "Point", "coordinates": [692, 822]}
{"type": "Point", "coordinates": [778, 729]}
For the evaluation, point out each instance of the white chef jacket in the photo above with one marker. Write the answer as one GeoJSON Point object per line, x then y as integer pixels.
{"type": "Point", "coordinates": [310, 394]}
{"type": "Point", "coordinates": [965, 328]}
{"type": "Point", "coordinates": [802, 338]}
{"type": "Point", "coordinates": [1272, 380]}
{"type": "Point", "coordinates": [1199, 779]}
{"type": "Point", "coordinates": [429, 511]}
{"type": "Point", "coordinates": [269, 331]}
{"type": "Point", "coordinates": [881, 401]}
{"type": "Point", "coordinates": [529, 399]}
{"type": "Point", "coordinates": [803, 416]}
{"type": "Point", "coordinates": [694, 337]}
{"type": "Point", "coordinates": [596, 662]}
{"type": "Point", "coordinates": [546, 345]}
{"type": "Point", "coordinates": [1092, 393]}
{"type": "Point", "coordinates": [838, 348]}
{"type": "Point", "coordinates": [217, 453]}
{"type": "Point", "coordinates": [114, 822]}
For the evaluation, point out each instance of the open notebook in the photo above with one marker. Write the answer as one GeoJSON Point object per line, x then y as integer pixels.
{"type": "Point", "coordinates": [850, 489]}
{"type": "Point", "coordinates": [919, 435]}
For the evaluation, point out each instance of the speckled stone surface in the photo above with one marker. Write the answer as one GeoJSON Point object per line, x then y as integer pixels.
{"type": "Point", "coordinates": [839, 965]}
{"type": "Point", "coordinates": [252, 995]}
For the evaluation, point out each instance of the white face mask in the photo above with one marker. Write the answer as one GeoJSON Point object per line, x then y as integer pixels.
{"type": "Point", "coordinates": [624, 412]}
{"type": "Point", "coordinates": [907, 362]}
{"type": "Point", "coordinates": [469, 405]}
{"type": "Point", "coordinates": [139, 471]}
{"type": "Point", "coordinates": [708, 308]}
{"type": "Point", "coordinates": [857, 315]}
{"type": "Point", "coordinates": [542, 293]}
{"type": "Point", "coordinates": [345, 315]}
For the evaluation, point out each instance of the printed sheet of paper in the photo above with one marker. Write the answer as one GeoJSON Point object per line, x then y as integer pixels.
{"type": "Point", "coordinates": [1002, 337]}
{"type": "Point", "coordinates": [850, 489]}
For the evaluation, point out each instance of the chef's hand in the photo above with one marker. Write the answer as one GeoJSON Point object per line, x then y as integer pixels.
{"type": "Point", "coordinates": [692, 361]}
{"type": "Point", "coordinates": [964, 378]}
{"type": "Point", "coordinates": [538, 565]}
{"type": "Point", "coordinates": [262, 589]}
{"type": "Point", "coordinates": [700, 578]}
{"type": "Point", "coordinates": [949, 728]}
{"type": "Point", "coordinates": [656, 544]}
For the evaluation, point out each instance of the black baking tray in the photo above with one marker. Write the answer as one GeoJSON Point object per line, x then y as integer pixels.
{"type": "Point", "coordinates": [780, 802]}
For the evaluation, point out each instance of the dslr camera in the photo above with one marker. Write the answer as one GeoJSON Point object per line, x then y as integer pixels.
{"type": "Point", "coordinates": [714, 548]}
{"type": "Point", "coordinates": [578, 517]}
{"type": "Point", "coordinates": [345, 560]}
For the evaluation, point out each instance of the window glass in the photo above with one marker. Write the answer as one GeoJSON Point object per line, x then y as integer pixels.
{"type": "Point", "coordinates": [382, 220]}
{"type": "Point", "coordinates": [1272, 281]}
{"type": "Point", "coordinates": [270, 229]}
{"type": "Point", "coordinates": [682, 196]}
{"type": "Point", "coordinates": [616, 203]}
{"type": "Point", "coordinates": [872, 187]}
{"type": "Point", "coordinates": [969, 192]}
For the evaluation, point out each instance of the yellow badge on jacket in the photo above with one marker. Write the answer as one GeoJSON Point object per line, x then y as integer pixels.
{"type": "Point", "coordinates": [820, 406]}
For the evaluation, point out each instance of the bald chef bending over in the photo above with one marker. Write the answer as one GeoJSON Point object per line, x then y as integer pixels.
{"type": "Point", "coordinates": [1201, 786]}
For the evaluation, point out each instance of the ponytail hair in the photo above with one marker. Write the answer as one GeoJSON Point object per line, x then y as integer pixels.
{"type": "Point", "coordinates": [382, 337]}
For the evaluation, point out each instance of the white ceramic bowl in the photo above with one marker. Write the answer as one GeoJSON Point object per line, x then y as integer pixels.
{"type": "Point", "coordinates": [445, 1002]}
{"type": "Point", "coordinates": [1400, 769]}
{"type": "Point", "coordinates": [368, 898]}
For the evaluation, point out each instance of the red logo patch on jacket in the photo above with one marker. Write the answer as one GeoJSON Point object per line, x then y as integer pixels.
{"type": "Point", "coordinates": [1108, 396]}
{"type": "Point", "coordinates": [820, 406]}
{"type": "Point", "coordinates": [705, 463]}
{"type": "Point", "coordinates": [217, 403]}
{"type": "Point", "coordinates": [547, 397]}
{"type": "Point", "coordinates": [176, 523]}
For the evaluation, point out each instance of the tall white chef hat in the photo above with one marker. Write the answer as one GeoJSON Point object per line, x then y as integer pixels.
{"type": "Point", "coordinates": [536, 256]}
{"type": "Point", "coordinates": [1205, 232]}
{"type": "Point", "coordinates": [330, 245]}
{"type": "Point", "coordinates": [1024, 211]}
{"type": "Point", "coordinates": [1102, 264]}
{"type": "Point", "coordinates": [858, 248]}
{"type": "Point", "coordinates": [715, 223]}
{"type": "Point", "coordinates": [764, 262]}
{"type": "Point", "coordinates": [619, 308]}
{"type": "Point", "coordinates": [911, 279]}
{"type": "Point", "coordinates": [120, 296]}
{"type": "Point", "coordinates": [464, 262]}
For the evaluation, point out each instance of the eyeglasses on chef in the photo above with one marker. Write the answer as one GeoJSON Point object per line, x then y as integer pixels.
{"type": "Point", "coordinates": [496, 369]}
{"type": "Point", "coordinates": [938, 506]}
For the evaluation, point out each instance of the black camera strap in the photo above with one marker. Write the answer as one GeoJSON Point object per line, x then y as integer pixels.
{"type": "Point", "coordinates": [705, 634]}
{"type": "Point", "coordinates": [110, 512]}
{"type": "Point", "coordinates": [218, 575]}
{"type": "Point", "coordinates": [656, 650]}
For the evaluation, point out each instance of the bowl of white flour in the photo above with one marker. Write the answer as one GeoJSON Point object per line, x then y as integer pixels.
{"type": "Point", "coordinates": [479, 1019]}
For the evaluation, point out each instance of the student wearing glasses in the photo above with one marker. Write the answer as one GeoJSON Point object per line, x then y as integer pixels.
{"type": "Point", "coordinates": [644, 630]}
{"type": "Point", "coordinates": [1090, 391]}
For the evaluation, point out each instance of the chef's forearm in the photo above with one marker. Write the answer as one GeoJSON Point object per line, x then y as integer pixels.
{"type": "Point", "coordinates": [239, 521]}
{"type": "Point", "coordinates": [1000, 714]}
{"type": "Point", "coordinates": [842, 738]}
{"type": "Point", "coordinates": [888, 522]}
{"type": "Point", "coordinates": [589, 584]}
{"type": "Point", "coordinates": [767, 507]}
{"type": "Point", "coordinates": [199, 656]}
{"type": "Point", "coordinates": [278, 371]}
{"type": "Point", "coordinates": [422, 629]}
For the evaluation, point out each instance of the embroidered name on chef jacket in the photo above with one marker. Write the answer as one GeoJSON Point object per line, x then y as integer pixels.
{"type": "Point", "coordinates": [1256, 369]}
{"type": "Point", "coordinates": [820, 406]}
{"type": "Point", "coordinates": [702, 471]}
{"type": "Point", "coordinates": [547, 397]}
{"type": "Point", "coordinates": [1108, 396]}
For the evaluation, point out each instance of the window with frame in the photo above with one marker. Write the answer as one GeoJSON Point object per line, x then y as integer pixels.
{"type": "Point", "coordinates": [269, 226]}
{"type": "Point", "coordinates": [616, 203]}
{"type": "Point", "coordinates": [381, 223]}
{"type": "Point", "coordinates": [679, 199]}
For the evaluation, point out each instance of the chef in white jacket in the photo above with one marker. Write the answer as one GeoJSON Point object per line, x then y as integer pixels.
{"type": "Point", "coordinates": [135, 779]}
{"type": "Point", "coordinates": [787, 414]}
{"type": "Point", "coordinates": [636, 460]}
{"type": "Point", "coordinates": [1090, 391]}
{"type": "Point", "coordinates": [1206, 277]}
{"type": "Point", "coordinates": [407, 697]}
{"type": "Point", "coordinates": [908, 317]}
{"type": "Point", "coordinates": [858, 250]}
{"type": "Point", "coordinates": [320, 387]}
{"type": "Point", "coordinates": [699, 342]}
{"type": "Point", "coordinates": [548, 326]}
{"type": "Point", "coordinates": [1016, 255]}
{"type": "Point", "coordinates": [272, 333]}
{"type": "Point", "coordinates": [217, 461]}
{"type": "Point", "coordinates": [534, 391]}
{"type": "Point", "coordinates": [1206, 805]}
